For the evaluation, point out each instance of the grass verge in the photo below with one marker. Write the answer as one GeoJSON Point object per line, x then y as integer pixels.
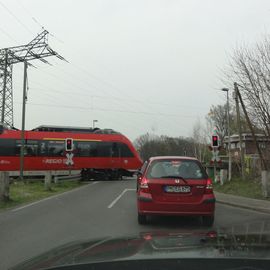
{"type": "Point", "coordinates": [21, 193]}
{"type": "Point", "coordinates": [245, 188]}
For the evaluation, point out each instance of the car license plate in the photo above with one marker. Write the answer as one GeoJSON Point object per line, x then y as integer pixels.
{"type": "Point", "coordinates": [177, 189]}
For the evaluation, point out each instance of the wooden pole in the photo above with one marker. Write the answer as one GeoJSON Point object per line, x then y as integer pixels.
{"type": "Point", "coordinates": [264, 165]}
{"type": "Point", "coordinates": [242, 157]}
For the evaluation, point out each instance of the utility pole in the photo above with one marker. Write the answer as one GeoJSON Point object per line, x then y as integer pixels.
{"type": "Point", "coordinates": [242, 157]}
{"type": "Point", "coordinates": [264, 165]}
{"type": "Point", "coordinates": [23, 121]}
{"type": "Point", "coordinates": [229, 137]}
{"type": "Point", "coordinates": [229, 134]}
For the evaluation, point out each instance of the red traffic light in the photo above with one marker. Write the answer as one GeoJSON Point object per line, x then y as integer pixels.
{"type": "Point", "coordinates": [69, 144]}
{"type": "Point", "coordinates": [215, 141]}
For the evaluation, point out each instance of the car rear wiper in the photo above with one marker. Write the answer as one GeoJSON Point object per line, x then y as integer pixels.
{"type": "Point", "coordinates": [175, 176]}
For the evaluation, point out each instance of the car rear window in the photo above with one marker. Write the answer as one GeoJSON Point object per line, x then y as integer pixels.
{"type": "Point", "coordinates": [187, 169]}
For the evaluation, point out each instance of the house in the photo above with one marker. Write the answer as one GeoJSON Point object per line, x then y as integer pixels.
{"type": "Point", "coordinates": [249, 148]}
{"type": "Point", "coordinates": [248, 145]}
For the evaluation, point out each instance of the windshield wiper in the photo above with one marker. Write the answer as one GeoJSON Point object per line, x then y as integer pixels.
{"type": "Point", "coordinates": [175, 176]}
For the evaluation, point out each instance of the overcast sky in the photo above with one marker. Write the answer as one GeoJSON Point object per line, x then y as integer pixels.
{"type": "Point", "coordinates": [135, 66]}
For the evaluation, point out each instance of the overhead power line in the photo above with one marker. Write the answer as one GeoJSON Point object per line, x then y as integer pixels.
{"type": "Point", "coordinates": [8, 35]}
{"type": "Point", "coordinates": [16, 18]}
{"type": "Point", "coordinates": [108, 110]}
{"type": "Point", "coordinates": [108, 97]}
{"type": "Point", "coordinates": [128, 98]}
{"type": "Point", "coordinates": [36, 21]}
{"type": "Point", "coordinates": [29, 14]}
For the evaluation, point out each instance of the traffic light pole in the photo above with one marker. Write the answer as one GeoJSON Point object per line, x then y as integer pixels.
{"type": "Point", "coordinates": [215, 171]}
{"type": "Point", "coordinates": [215, 150]}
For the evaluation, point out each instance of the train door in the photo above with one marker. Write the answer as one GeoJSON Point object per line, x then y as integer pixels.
{"type": "Point", "coordinates": [116, 156]}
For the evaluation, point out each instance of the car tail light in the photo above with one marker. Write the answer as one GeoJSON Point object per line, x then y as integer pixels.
{"type": "Point", "coordinates": [144, 186]}
{"type": "Point", "coordinates": [212, 234]}
{"type": "Point", "coordinates": [147, 237]}
{"type": "Point", "coordinates": [209, 187]}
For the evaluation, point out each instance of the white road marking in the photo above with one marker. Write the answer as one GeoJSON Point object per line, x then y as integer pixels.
{"type": "Point", "coordinates": [119, 197]}
{"type": "Point", "coordinates": [51, 197]}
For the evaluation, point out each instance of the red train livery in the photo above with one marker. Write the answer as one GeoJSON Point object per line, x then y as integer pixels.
{"type": "Point", "coordinates": [97, 153]}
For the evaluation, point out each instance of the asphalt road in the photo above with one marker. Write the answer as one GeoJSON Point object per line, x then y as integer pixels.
{"type": "Point", "coordinates": [93, 211]}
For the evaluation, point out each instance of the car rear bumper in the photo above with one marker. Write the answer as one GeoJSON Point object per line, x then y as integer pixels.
{"type": "Point", "coordinates": [205, 207]}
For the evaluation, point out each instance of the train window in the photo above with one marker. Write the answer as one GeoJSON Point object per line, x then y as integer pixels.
{"type": "Point", "coordinates": [125, 151]}
{"type": "Point", "coordinates": [18, 147]}
{"type": "Point", "coordinates": [104, 149]}
{"type": "Point", "coordinates": [83, 149]}
{"type": "Point", "coordinates": [43, 148]}
{"type": "Point", "coordinates": [31, 148]}
{"type": "Point", "coordinates": [115, 150]}
{"type": "Point", "coordinates": [56, 148]}
{"type": "Point", "coordinates": [7, 147]}
{"type": "Point", "coordinates": [93, 149]}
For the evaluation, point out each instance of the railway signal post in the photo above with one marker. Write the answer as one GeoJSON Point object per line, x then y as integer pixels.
{"type": "Point", "coordinates": [215, 147]}
{"type": "Point", "coordinates": [69, 145]}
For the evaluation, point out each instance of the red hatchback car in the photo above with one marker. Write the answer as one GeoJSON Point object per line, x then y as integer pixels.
{"type": "Point", "coordinates": [175, 186]}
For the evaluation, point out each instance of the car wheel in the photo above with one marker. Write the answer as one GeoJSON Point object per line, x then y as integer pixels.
{"type": "Point", "coordinates": [142, 219]}
{"type": "Point", "coordinates": [208, 220]}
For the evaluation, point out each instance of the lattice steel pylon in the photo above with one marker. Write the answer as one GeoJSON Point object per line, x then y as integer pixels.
{"type": "Point", "coordinates": [38, 49]}
{"type": "Point", "coordinates": [6, 94]}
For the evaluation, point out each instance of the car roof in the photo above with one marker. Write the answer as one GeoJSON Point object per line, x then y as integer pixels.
{"type": "Point", "coordinates": [172, 157]}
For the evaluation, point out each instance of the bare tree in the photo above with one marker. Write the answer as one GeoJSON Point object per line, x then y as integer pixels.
{"type": "Point", "coordinates": [216, 118]}
{"type": "Point", "coordinates": [250, 68]}
{"type": "Point", "coordinates": [151, 145]}
{"type": "Point", "coordinates": [200, 140]}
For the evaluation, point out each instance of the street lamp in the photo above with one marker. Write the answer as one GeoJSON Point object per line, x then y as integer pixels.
{"type": "Point", "coordinates": [94, 121]}
{"type": "Point", "coordinates": [229, 134]}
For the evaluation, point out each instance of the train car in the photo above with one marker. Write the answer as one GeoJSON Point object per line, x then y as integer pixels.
{"type": "Point", "coordinates": [98, 154]}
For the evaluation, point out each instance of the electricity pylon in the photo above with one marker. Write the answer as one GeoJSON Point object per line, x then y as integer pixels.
{"type": "Point", "coordinates": [38, 49]}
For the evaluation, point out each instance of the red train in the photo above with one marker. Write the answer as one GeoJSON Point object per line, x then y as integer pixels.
{"type": "Point", "coordinates": [99, 154]}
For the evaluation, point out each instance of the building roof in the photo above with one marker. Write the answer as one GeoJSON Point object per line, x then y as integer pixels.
{"type": "Point", "coordinates": [247, 137]}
